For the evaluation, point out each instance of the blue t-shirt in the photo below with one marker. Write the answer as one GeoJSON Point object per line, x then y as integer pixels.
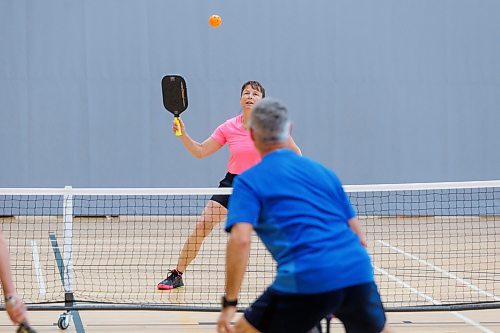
{"type": "Point", "coordinates": [299, 210]}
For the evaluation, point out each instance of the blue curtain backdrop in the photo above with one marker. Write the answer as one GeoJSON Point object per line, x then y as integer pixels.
{"type": "Point", "coordinates": [380, 91]}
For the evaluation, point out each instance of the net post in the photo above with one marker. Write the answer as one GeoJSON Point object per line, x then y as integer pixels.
{"type": "Point", "coordinates": [68, 239]}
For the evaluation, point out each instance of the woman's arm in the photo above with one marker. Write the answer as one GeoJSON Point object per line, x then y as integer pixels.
{"type": "Point", "coordinates": [198, 150]}
{"type": "Point", "coordinates": [293, 146]}
{"type": "Point", "coordinates": [358, 230]}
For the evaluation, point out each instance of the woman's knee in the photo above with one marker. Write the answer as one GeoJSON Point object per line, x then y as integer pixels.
{"type": "Point", "coordinates": [203, 228]}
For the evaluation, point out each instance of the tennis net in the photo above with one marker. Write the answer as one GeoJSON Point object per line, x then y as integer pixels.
{"type": "Point", "coordinates": [434, 246]}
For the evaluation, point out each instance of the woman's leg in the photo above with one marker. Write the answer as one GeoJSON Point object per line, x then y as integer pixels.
{"type": "Point", "coordinates": [212, 215]}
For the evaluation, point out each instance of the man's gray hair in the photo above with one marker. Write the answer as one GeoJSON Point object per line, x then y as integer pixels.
{"type": "Point", "coordinates": [269, 121]}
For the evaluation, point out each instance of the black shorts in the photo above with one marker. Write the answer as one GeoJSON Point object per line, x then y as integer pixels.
{"type": "Point", "coordinates": [226, 182]}
{"type": "Point", "coordinates": [358, 307]}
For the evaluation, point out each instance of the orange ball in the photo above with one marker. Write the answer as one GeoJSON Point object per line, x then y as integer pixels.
{"type": "Point", "coordinates": [214, 21]}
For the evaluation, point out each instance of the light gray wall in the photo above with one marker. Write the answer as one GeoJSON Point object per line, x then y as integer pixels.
{"type": "Point", "coordinates": [381, 91]}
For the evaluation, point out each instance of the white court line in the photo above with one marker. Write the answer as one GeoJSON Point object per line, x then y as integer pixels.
{"type": "Point", "coordinates": [432, 300]}
{"type": "Point", "coordinates": [442, 271]}
{"type": "Point", "coordinates": [38, 268]}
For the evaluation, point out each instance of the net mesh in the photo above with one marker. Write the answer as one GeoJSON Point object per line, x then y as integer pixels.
{"type": "Point", "coordinates": [430, 246]}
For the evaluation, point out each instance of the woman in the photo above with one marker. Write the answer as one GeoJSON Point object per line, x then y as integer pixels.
{"type": "Point", "coordinates": [243, 155]}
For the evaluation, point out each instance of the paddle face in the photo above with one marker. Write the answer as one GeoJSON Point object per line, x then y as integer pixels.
{"type": "Point", "coordinates": [174, 94]}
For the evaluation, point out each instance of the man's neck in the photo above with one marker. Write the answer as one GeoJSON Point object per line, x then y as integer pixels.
{"type": "Point", "coordinates": [267, 149]}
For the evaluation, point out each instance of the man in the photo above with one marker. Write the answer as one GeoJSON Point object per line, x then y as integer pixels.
{"type": "Point", "coordinates": [13, 304]}
{"type": "Point", "coordinates": [301, 213]}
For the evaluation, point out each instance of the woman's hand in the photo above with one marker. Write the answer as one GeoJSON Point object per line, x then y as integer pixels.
{"type": "Point", "coordinates": [175, 127]}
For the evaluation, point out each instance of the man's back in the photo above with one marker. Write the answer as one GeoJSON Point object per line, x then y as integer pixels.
{"type": "Point", "coordinates": [300, 211]}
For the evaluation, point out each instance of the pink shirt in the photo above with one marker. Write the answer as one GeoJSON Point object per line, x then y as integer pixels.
{"type": "Point", "coordinates": [243, 152]}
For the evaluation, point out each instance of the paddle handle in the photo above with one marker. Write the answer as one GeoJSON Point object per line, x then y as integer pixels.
{"type": "Point", "coordinates": [178, 132]}
{"type": "Point", "coordinates": [25, 328]}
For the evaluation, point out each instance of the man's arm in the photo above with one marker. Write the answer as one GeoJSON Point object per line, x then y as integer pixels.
{"type": "Point", "coordinates": [358, 230]}
{"type": "Point", "coordinates": [237, 252]}
{"type": "Point", "coordinates": [14, 305]}
{"type": "Point", "coordinates": [5, 274]}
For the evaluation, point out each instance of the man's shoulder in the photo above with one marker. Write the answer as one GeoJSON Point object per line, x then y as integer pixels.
{"type": "Point", "coordinates": [316, 164]}
{"type": "Point", "coordinates": [250, 174]}
{"type": "Point", "coordinates": [253, 176]}
{"type": "Point", "coordinates": [314, 167]}
{"type": "Point", "coordinates": [281, 161]}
